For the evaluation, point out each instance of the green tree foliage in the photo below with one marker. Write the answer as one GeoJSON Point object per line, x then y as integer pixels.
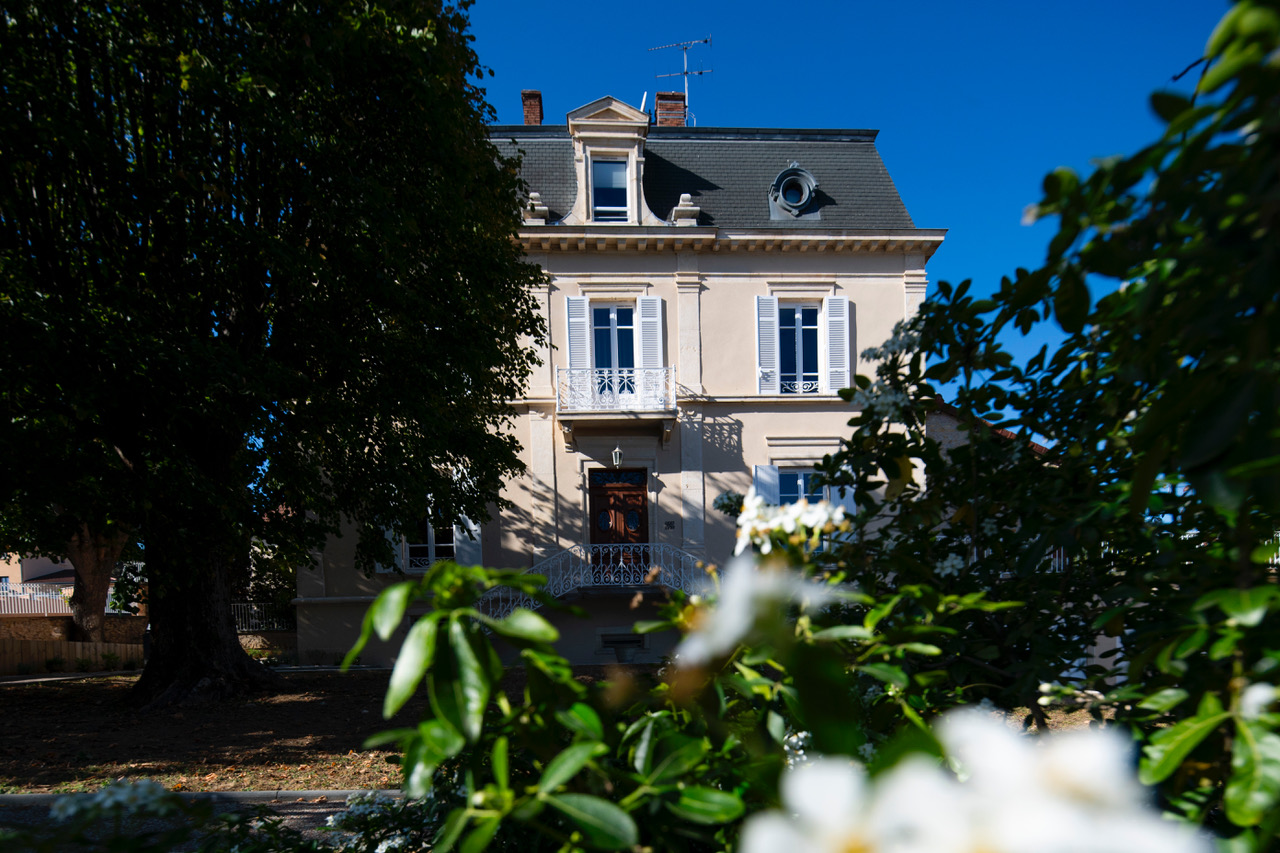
{"type": "Point", "coordinates": [1151, 515]}
{"type": "Point", "coordinates": [1121, 485]}
{"type": "Point", "coordinates": [257, 281]}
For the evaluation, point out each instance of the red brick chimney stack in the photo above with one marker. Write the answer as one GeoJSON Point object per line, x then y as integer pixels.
{"type": "Point", "coordinates": [532, 99]}
{"type": "Point", "coordinates": [671, 112]}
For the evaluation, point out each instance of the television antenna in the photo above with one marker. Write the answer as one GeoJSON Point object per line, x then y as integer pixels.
{"type": "Point", "coordinates": [684, 49]}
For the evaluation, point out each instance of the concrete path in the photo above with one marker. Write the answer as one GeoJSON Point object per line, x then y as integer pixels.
{"type": "Point", "coordinates": [305, 811]}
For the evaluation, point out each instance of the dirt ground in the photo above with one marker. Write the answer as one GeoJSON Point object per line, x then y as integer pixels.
{"type": "Point", "coordinates": [78, 735]}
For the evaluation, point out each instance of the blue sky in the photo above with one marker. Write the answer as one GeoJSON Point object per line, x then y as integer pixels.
{"type": "Point", "coordinates": [974, 101]}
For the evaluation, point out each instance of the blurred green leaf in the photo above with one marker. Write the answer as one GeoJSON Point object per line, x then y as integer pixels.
{"type": "Point", "coordinates": [523, 624]}
{"type": "Point", "coordinates": [1246, 606]}
{"type": "Point", "coordinates": [581, 718]}
{"type": "Point", "coordinates": [676, 754]}
{"type": "Point", "coordinates": [844, 632]}
{"type": "Point", "coordinates": [604, 824]}
{"type": "Point", "coordinates": [416, 653]}
{"type": "Point", "coordinates": [1169, 105]}
{"type": "Point", "coordinates": [1254, 786]}
{"type": "Point", "coordinates": [480, 837]}
{"type": "Point", "coordinates": [1168, 748]}
{"type": "Point", "coordinates": [458, 685]}
{"type": "Point", "coordinates": [501, 773]}
{"type": "Point", "coordinates": [887, 673]}
{"type": "Point", "coordinates": [1164, 700]}
{"type": "Point", "coordinates": [698, 804]}
{"type": "Point", "coordinates": [566, 765]}
{"type": "Point", "coordinates": [388, 608]}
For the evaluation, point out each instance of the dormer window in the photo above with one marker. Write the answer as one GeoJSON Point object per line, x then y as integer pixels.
{"type": "Point", "coordinates": [608, 161]}
{"type": "Point", "coordinates": [609, 191]}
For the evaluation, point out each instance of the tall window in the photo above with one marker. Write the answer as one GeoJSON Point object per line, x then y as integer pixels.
{"type": "Point", "coordinates": [804, 347]}
{"type": "Point", "coordinates": [795, 484]}
{"type": "Point", "coordinates": [613, 337]}
{"type": "Point", "coordinates": [430, 543]}
{"type": "Point", "coordinates": [798, 349]}
{"type": "Point", "coordinates": [609, 191]}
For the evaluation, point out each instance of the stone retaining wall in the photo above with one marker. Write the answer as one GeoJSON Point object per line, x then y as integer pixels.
{"type": "Point", "coordinates": [118, 628]}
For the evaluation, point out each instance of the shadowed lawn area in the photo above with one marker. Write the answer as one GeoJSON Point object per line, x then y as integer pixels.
{"type": "Point", "coordinates": [79, 735]}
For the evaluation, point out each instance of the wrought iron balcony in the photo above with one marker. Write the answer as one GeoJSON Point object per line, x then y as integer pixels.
{"type": "Point", "coordinates": [626, 389]}
{"type": "Point", "coordinates": [622, 567]}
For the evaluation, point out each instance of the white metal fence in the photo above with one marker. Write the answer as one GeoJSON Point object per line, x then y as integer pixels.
{"type": "Point", "coordinates": [254, 616]}
{"type": "Point", "coordinates": [34, 599]}
{"type": "Point", "coordinates": [41, 599]}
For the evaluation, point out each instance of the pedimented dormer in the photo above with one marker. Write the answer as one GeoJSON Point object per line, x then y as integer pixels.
{"type": "Point", "coordinates": [608, 155]}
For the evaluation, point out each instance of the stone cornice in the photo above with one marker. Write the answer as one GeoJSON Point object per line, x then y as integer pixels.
{"type": "Point", "coordinates": [628, 238]}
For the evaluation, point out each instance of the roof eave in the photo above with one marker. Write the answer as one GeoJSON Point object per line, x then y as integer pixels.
{"type": "Point", "coordinates": [602, 238]}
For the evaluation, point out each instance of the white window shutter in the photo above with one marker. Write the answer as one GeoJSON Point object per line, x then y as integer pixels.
{"type": "Point", "coordinates": [466, 550]}
{"type": "Point", "coordinates": [579, 319]}
{"type": "Point", "coordinates": [835, 374]}
{"type": "Point", "coordinates": [766, 483]}
{"type": "Point", "coordinates": [767, 345]}
{"type": "Point", "coordinates": [649, 339]}
{"type": "Point", "coordinates": [401, 549]}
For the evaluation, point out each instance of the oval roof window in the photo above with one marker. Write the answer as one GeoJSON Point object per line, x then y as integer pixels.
{"type": "Point", "coordinates": [793, 190]}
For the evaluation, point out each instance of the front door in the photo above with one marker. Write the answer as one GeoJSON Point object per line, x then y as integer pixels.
{"type": "Point", "coordinates": [618, 509]}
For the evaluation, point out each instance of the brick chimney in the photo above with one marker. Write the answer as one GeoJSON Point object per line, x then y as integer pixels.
{"type": "Point", "coordinates": [670, 109]}
{"type": "Point", "coordinates": [532, 99]}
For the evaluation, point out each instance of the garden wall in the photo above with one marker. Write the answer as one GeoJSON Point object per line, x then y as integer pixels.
{"type": "Point", "coordinates": [21, 657]}
{"type": "Point", "coordinates": [118, 628]}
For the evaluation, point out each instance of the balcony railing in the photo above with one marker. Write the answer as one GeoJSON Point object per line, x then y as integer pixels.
{"type": "Point", "coordinates": [626, 389]}
{"type": "Point", "coordinates": [622, 567]}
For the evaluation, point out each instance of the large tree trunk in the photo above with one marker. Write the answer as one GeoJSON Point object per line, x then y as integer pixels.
{"type": "Point", "coordinates": [195, 653]}
{"type": "Point", "coordinates": [93, 554]}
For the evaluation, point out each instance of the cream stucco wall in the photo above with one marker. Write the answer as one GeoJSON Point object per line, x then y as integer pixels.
{"type": "Point", "coordinates": [722, 430]}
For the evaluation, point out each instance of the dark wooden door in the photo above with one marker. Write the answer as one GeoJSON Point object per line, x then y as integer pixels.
{"type": "Point", "coordinates": [618, 508]}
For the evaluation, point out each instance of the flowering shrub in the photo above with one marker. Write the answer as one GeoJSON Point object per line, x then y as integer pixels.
{"type": "Point", "coordinates": [1072, 792]}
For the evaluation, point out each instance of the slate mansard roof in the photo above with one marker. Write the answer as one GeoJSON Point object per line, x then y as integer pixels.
{"type": "Point", "coordinates": [728, 172]}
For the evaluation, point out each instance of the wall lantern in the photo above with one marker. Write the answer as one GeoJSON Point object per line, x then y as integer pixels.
{"type": "Point", "coordinates": [617, 456]}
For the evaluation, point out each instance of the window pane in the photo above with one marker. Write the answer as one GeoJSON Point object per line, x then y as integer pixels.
{"type": "Point", "coordinates": [604, 347]}
{"type": "Point", "coordinates": [626, 346]}
{"type": "Point", "coordinates": [609, 174]}
{"type": "Point", "coordinates": [787, 342]}
{"type": "Point", "coordinates": [788, 487]}
{"type": "Point", "coordinates": [609, 190]}
{"type": "Point", "coordinates": [809, 350]}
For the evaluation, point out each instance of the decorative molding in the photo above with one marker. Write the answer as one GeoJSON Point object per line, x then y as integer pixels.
{"type": "Point", "coordinates": [773, 441]}
{"type": "Point", "coordinates": [810, 289]}
{"type": "Point", "coordinates": [591, 288]}
{"type": "Point", "coordinates": [799, 450]}
{"type": "Point", "coordinates": [610, 238]}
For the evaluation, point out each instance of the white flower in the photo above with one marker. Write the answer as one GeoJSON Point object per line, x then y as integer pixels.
{"type": "Point", "coordinates": [759, 521]}
{"type": "Point", "coordinates": [1072, 793]}
{"type": "Point", "coordinates": [833, 807]}
{"type": "Point", "coordinates": [951, 565]}
{"type": "Point", "coordinates": [1069, 792]}
{"type": "Point", "coordinates": [1255, 699]}
{"type": "Point", "coordinates": [745, 592]}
